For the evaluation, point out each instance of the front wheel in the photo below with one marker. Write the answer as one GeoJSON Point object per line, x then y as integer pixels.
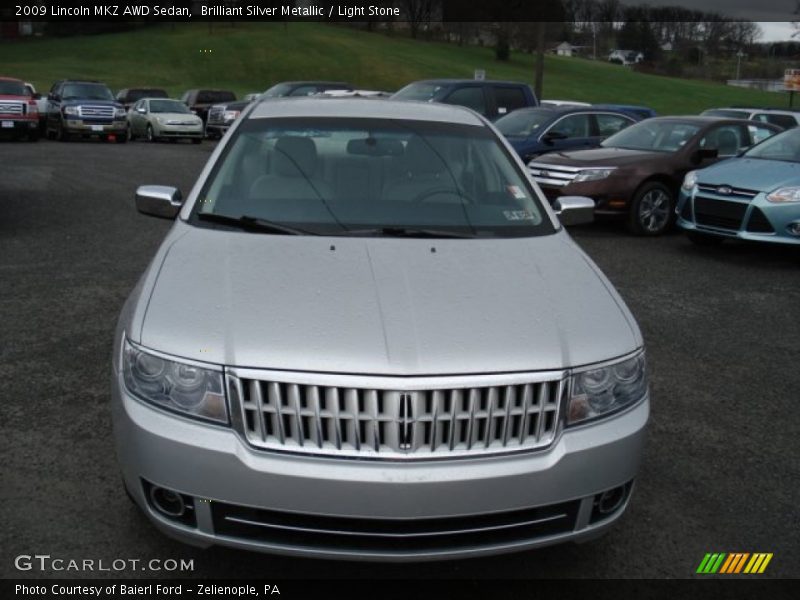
{"type": "Point", "coordinates": [703, 239]}
{"type": "Point", "coordinates": [651, 209]}
{"type": "Point", "coordinates": [150, 135]}
{"type": "Point", "coordinates": [61, 135]}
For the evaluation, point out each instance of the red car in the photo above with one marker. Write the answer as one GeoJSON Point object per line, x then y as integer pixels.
{"type": "Point", "coordinates": [18, 113]}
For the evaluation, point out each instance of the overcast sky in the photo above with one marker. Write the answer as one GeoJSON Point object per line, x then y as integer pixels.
{"type": "Point", "coordinates": [774, 31]}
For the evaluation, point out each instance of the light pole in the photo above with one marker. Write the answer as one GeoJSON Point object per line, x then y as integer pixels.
{"type": "Point", "coordinates": [739, 56]}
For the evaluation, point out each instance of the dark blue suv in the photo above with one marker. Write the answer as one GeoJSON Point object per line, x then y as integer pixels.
{"type": "Point", "coordinates": [535, 131]}
{"type": "Point", "coordinates": [85, 108]}
{"type": "Point", "coordinates": [492, 99]}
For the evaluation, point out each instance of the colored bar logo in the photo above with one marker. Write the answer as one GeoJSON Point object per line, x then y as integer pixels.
{"type": "Point", "coordinates": [734, 563]}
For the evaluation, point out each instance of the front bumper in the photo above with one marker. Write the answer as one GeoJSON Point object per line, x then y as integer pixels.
{"type": "Point", "coordinates": [374, 510]}
{"type": "Point", "coordinates": [179, 131]}
{"type": "Point", "coordinates": [756, 220]}
{"type": "Point", "coordinates": [17, 125]}
{"type": "Point", "coordinates": [86, 127]}
{"type": "Point", "coordinates": [217, 128]}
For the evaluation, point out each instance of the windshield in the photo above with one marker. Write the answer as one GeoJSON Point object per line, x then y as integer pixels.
{"type": "Point", "coordinates": [169, 106]}
{"type": "Point", "coordinates": [523, 123]}
{"type": "Point", "coordinates": [276, 91]}
{"type": "Point", "coordinates": [336, 176]}
{"type": "Point", "coordinates": [13, 88]}
{"type": "Point", "coordinates": [784, 146]}
{"type": "Point", "coordinates": [86, 91]}
{"type": "Point", "coordinates": [653, 136]}
{"type": "Point", "coordinates": [423, 92]}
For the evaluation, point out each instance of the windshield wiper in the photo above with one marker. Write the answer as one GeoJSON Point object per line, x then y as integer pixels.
{"type": "Point", "coordinates": [252, 224]}
{"type": "Point", "coordinates": [409, 232]}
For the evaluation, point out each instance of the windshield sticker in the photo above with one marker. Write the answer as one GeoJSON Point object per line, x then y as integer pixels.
{"type": "Point", "coordinates": [518, 215]}
{"type": "Point", "coordinates": [516, 192]}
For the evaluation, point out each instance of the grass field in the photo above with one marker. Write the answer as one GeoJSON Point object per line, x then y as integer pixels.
{"type": "Point", "coordinates": [249, 57]}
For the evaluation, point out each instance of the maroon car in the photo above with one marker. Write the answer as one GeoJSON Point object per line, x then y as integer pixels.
{"type": "Point", "coordinates": [637, 172]}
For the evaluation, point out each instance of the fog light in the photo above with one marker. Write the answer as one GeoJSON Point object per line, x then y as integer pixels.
{"type": "Point", "coordinates": [794, 228]}
{"type": "Point", "coordinates": [167, 502]}
{"type": "Point", "coordinates": [170, 504]}
{"type": "Point", "coordinates": [610, 502]}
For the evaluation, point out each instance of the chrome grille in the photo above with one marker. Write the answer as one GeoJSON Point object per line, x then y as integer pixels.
{"type": "Point", "coordinates": [402, 419]}
{"type": "Point", "coordinates": [724, 190]}
{"type": "Point", "coordinates": [11, 108]}
{"type": "Point", "coordinates": [216, 113]}
{"type": "Point", "coordinates": [552, 175]}
{"type": "Point", "coordinates": [95, 111]}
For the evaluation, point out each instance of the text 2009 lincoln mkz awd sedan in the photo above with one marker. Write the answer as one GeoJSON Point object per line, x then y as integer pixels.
{"type": "Point", "coordinates": [367, 336]}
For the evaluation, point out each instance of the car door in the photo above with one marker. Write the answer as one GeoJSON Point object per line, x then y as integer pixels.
{"type": "Point", "coordinates": [570, 132]}
{"type": "Point", "coordinates": [471, 96]}
{"type": "Point", "coordinates": [607, 124]}
{"type": "Point", "coordinates": [727, 139]}
{"type": "Point", "coordinates": [138, 118]}
{"type": "Point", "coordinates": [506, 99]}
{"type": "Point", "coordinates": [54, 104]}
{"type": "Point", "coordinates": [784, 121]}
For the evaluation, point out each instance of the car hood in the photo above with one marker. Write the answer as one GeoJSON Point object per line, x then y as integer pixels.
{"type": "Point", "coordinates": [751, 174]}
{"type": "Point", "coordinates": [382, 305]}
{"type": "Point", "coordinates": [177, 116]}
{"type": "Point", "coordinates": [601, 156]}
{"type": "Point", "coordinates": [78, 101]}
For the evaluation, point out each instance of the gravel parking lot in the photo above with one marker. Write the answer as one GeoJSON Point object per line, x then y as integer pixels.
{"type": "Point", "coordinates": [722, 326]}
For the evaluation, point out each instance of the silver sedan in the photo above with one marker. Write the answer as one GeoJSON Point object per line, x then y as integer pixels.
{"type": "Point", "coordinates": [368, 335]}
{"type": "Point", "coordinates": [158, 119]}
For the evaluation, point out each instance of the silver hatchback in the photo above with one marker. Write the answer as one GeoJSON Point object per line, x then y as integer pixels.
{"type": "Point", "coordinates": [367, 335]}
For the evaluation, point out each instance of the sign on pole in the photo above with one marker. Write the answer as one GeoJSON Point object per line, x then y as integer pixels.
{"type": "Point", "coordinates": [791, 80]}
{"type": "Point", "coordinates": [480, 74]}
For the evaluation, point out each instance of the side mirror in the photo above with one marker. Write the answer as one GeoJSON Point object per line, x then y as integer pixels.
{"type": "Point", "coordinates": [54, 97]}
{"type": "Point", "coordinates": [552, 136]}
{"type": "Point", "coordinates": [702, 154]}
{"type": "Point", "coordinates": [141, 110]}
{"type": "Point", "coordinates": [159, 201]}
{"type": "Point", "coordinates": [574, 210]}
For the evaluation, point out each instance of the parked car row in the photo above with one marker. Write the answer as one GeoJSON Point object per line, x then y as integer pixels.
{"type": "Point", "coordinates": [630, 162]}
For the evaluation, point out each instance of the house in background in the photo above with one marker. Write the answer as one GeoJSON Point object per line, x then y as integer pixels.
{"type": "Point", "coordinates": [567, 49]}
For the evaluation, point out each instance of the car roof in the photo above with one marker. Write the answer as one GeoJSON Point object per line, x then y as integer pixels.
{"type": "Point", "coordinates": [320, 106]}
{"type": "Point", "coordinates": [11, 79]}
{"type": "Point", "coordinates": [475, 81]}
{"type": "Point", "coordinates": [565, 110]}
{"type": "Point", "coordinates": [702, 120]}
{"type": "Point", "coordinates": [313, 82]}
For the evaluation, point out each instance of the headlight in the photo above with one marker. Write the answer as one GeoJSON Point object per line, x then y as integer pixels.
{"type": "Point", "coordinates": [592, 174]}
{"type": "Point", "coordinates": [230, 115]}
{"type": "Point", "coordinates": [786, 194]}
{"type": "Point", "coordinates": [161, 120]}
{"type": "Point", "coordinates": [689, 181]}
{"type": "Point", "coordinates": [178, 386]}
{"type": "Point", "coordinates": [70, 110]}
{"type": "Point", "coordinates": [120, 113]}
{"type": "Point", "coordinates": [605, 390]}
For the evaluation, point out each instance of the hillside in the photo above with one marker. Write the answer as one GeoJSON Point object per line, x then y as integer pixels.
{"type": "Point", "coordinates": [248, 57]}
